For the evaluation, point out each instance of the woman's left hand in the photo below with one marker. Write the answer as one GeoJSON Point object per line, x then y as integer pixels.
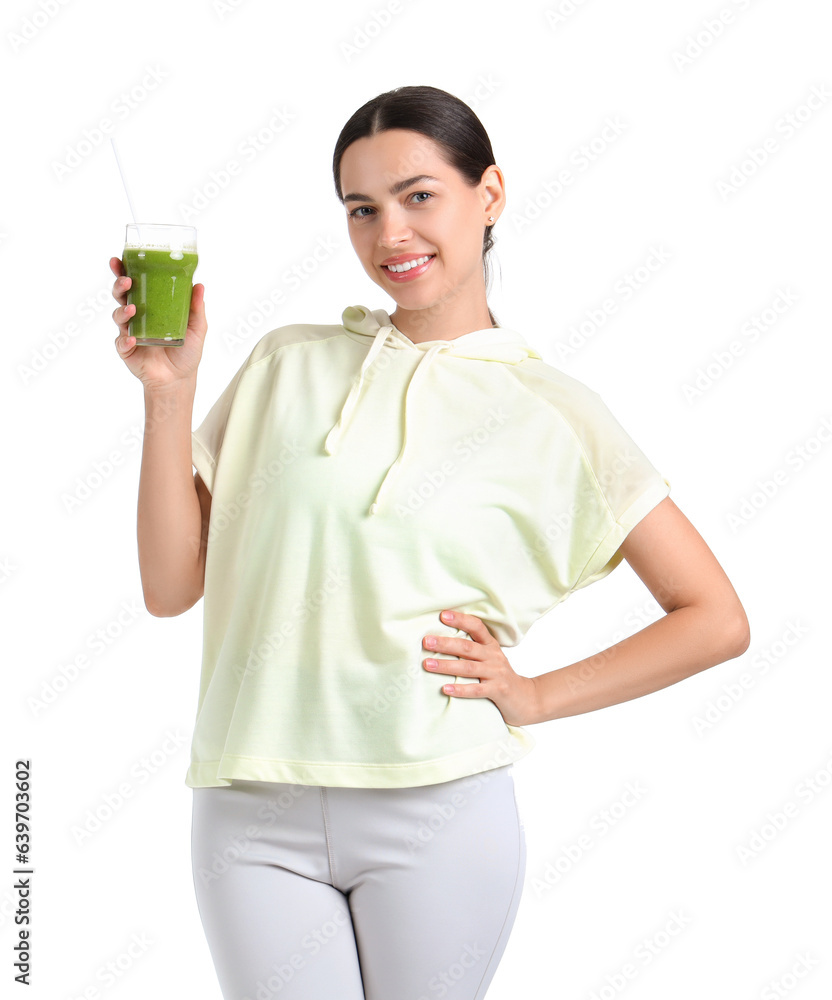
{"type": "Point", "coordinates": [482, 656]}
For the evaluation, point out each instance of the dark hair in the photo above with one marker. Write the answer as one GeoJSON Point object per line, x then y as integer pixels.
{"type": "Point", "coordinates": [445, 119]}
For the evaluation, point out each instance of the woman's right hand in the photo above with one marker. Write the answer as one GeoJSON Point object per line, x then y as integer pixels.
{"type": "Point", "coordinates": [153, 365]}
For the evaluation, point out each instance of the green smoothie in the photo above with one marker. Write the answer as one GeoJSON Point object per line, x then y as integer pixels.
{"type": "Point", "coordinates": [161, 292]}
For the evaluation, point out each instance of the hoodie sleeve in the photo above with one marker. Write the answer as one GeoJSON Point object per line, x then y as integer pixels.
{"type": "Point", "coordinates": [206, 440]}
{"type": "Point", "coordinates": [620, 486]}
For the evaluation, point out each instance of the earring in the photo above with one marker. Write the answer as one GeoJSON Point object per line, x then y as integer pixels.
{"type": "Point", "coordinates": [490, 218]}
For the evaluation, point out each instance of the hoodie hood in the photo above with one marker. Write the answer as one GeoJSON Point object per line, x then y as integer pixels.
{"type": "Point", "coordinates": [375, 326]}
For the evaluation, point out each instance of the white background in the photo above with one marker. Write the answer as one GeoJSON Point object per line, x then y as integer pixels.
{"type": "Point", "coordinates": [543, 85]}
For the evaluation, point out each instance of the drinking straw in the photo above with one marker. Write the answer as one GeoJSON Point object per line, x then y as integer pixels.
{"type": "Point", "coordinates": [123, 181]}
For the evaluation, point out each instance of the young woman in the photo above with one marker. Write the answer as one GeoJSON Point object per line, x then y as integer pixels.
{"type": "Point", "coordinates": [380, 506]}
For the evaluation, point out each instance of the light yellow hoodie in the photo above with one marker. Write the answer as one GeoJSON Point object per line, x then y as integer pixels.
{"type": "Point", "coordinates": [361, 484]}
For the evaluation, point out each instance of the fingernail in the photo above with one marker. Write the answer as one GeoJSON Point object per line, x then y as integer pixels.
{"type": "Point", "coordinates": [447, 615]}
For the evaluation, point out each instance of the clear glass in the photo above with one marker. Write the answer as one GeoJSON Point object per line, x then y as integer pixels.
{"type": "Point", "coordinates": [161, 260]}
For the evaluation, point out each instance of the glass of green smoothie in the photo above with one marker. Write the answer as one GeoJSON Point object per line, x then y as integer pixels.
{"type": "Point", "coordinates": [161, 260]}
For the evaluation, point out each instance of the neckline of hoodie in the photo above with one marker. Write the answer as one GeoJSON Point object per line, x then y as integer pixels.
{"type": "Point", "coordinates": [487, 335]}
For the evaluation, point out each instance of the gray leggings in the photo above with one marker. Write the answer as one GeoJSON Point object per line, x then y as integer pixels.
{"type": "Point", "coordinates": [321, 893]}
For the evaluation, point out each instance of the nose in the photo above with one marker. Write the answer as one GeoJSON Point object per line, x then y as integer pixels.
{"type": "Point", "coordinates": [393, 230]}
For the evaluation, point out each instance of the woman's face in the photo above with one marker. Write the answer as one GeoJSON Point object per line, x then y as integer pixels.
{"type": "Point", "coordinates": [442, 216]}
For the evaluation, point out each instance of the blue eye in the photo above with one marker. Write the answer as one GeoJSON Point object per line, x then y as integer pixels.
{"type": "Point", "coordinates": [354, 213]}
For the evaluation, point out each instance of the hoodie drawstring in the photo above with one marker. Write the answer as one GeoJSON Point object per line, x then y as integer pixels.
{"type": "Point", "coordinates": [333, 439]}
{"type": "Point", "coordinates": [419, 371]}
{"type": "Point", "coordinates": [334, 436]}
{"type": "Point", "coordinates": [508, 347]}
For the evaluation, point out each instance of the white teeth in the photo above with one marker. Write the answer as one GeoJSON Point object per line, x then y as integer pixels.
{"type": "Point", "coordinates": [408, 264]}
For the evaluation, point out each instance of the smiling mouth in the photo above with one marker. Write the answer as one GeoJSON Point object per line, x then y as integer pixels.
{"type": "Point", "coordinates": [408, 265]}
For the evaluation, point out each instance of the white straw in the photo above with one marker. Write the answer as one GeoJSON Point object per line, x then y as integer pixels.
{"type": "Point", "coordinates": [123, 181]}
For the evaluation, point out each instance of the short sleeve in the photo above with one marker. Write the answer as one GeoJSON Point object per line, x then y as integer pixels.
{"type": "Point", "coordinates": [206, 440]}
{"type": "Point", "coordinates": [621, 486]}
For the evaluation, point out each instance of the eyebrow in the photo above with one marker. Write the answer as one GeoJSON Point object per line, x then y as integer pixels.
{"type": "Point", "coordinates": [396, 188]}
